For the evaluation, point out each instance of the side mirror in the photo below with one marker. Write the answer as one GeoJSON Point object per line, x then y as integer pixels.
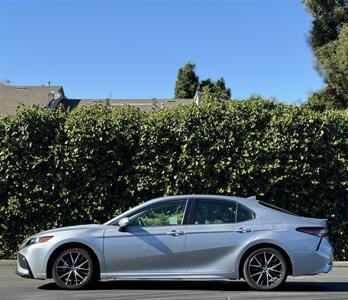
{"type": "Point", "coordinates": [123, 223]}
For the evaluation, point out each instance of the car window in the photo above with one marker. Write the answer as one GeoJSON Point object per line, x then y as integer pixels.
{"type": "Point", "coordinates": [214, 212]}
{"type": "Point", "coordinates": [164, 214]}
{"type": "Point", "coordinates": [244, 214]}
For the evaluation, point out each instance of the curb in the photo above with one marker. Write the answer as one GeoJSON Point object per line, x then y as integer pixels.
{"type": "Point", "coordinates": [7, 262]}
{"type": "Point", "coordinates": [12, 262]}
{"type": "Point", "coordinates": [340, 264]}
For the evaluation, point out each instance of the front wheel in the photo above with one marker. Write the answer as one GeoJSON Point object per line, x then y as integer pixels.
{"type": "Point", "coordinates": [265, 269]}
{"type": "Point", "coordinates": [73, 269]}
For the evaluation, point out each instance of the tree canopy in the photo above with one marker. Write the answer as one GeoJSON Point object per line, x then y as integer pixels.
{"type": "Point", "coordinates": [188, 83]}
{"type": "Point", "coordinates": [329, 41]}
{"type": "Point", "coordinates": [217, 88]}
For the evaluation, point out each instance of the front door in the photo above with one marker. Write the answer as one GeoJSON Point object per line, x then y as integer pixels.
{"type": "Point", "coordinates": [153, 243]}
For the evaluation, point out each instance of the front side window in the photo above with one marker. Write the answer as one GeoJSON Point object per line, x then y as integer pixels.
{"type": "Point", "coordinates": [215, 212]}
{"type": "Point", "coordinates": [164, 214]}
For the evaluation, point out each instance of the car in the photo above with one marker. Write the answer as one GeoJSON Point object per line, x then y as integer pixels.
{"type": "Point", "coordinates": [202, 237]}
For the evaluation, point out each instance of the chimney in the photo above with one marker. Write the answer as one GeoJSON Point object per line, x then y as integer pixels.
{"type": "Point", "coordinates": [154, 104]}
{"type": "Point", "coordinates": [198, 97]}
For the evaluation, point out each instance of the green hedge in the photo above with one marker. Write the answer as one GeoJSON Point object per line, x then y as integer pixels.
{"type": "Point", "coordinates": [59, 168]}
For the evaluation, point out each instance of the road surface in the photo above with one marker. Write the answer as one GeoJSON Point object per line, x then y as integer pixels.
{"type": "Point", "coordinates": [327, 286]}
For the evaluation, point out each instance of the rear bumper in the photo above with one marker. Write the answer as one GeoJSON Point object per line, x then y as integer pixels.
{"type": "Point", "coordinates": [327, 268]}
{"type": "Point", "coordinates": [313, 262]}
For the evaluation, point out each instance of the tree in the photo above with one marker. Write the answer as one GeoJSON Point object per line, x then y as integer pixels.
{"type": "Point", "coordinates": [221, 90]}
{"type": "Point", "coordinates": [329, 17]}
{"type": "Point", "coordinates": [207, 85]}
{"type": "Point", "coordinates": [329, 40]}
{"type": "Point", "coordinates": [324, 99]}
{"type": "Point", "coordinates": [333, 58]}
{"type": "Point", "coordinates": [217, 88]}
{"type": "Point", "coordinates": [187, 82]}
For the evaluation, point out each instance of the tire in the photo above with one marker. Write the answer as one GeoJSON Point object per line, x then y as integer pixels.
{"type": "Point", "coordinates": [265, 269]}
{"type": "Point", "coordinates": [74, 268]}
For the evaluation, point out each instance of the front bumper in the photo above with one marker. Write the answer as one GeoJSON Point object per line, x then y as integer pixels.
{"type": "Point", "coordinates": [32, 261]}
{"type": "Point", "coordinates": [23, 268]}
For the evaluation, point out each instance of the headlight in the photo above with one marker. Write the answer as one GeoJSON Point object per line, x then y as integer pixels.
{"type": "Point", "coordinates": [38, 240]}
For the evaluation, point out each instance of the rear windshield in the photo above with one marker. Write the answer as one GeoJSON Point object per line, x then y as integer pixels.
{"type": "Point", "coordinates": [276, 208]}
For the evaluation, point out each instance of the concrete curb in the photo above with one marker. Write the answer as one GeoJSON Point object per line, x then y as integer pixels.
{"type": "Point", "coordinates": [7, 262]}
{"type": "Point", "coordinates": [12, 262]}
{"type": "Point", "coordinates": [341, 264]}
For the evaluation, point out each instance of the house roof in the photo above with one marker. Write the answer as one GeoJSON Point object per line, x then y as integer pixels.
{"type": "Point", "coordinates": [11, 96]}
{"type": "Point", "coordinates": [143, 104]}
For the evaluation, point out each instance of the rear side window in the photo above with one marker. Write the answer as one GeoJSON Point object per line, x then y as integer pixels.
{"type": "Point", "coordinates": [215, 212]}
{"type": "Point", "coordinates": [220, 212]}
{"type": "Point", "coordinates": [244, 214]}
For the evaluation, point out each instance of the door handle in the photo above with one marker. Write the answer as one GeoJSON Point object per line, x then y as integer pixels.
{"type": "Point", "coordinates": [243, 230]}
{"type": "Point", "coordinates": [175, 232]}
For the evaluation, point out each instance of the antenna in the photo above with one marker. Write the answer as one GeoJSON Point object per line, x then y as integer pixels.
{"type": "Point", "coordinates": [55, 98]}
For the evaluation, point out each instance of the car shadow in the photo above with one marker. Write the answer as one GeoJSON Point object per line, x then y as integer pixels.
{"type": "Point", "coordinates": [207, 285]}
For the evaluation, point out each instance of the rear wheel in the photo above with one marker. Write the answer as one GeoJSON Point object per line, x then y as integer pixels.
{"type": "Point", "coordinates": [265, 269]}
{"type": "Point", "coordinates": [74, 268]}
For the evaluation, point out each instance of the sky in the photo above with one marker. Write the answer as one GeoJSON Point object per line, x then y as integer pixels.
{"type": "Point", "coordinates": [134, 48]}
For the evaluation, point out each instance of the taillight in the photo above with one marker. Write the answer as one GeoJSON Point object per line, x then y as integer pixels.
{"type": "Point", "coordinates": [317, 231]}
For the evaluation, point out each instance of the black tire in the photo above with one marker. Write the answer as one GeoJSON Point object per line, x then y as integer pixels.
{"type": "Point", "coordinates": [265, 269]}
{"type": "Point", "coordinates": [74, 268]}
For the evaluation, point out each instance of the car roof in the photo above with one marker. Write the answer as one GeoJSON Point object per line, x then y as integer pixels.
{"type": "Point", "coordinates": [262, 212]}
{"type": "Point", "coordinates": [249, 201]}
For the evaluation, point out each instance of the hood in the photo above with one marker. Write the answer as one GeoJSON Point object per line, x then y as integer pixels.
{"type": "Point", "coordinates": [89, 227]}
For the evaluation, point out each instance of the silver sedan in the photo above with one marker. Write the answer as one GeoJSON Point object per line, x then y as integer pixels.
{"type": "Point", "coordinates": [183, 237]}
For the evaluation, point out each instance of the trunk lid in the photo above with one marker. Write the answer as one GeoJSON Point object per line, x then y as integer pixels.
{"type": "Point", "coordinates": [319, 222]}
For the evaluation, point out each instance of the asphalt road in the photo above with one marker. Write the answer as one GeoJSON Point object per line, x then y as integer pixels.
{"type": "Point", "coordinates": [327, 286]}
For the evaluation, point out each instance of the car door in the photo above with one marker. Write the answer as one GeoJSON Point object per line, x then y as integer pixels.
{"type": "Point", "coordinates": [153, 243]}
{"type": "Point", "coordinates": [215, 234]}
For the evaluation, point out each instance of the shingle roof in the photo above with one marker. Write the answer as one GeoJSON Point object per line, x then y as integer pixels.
{"type": "Point", "coordinates": [11, 95]}
{"type": "Point", "coordinates": [70, 104]}
{"type": "Point", "coordinates": [143, 104]}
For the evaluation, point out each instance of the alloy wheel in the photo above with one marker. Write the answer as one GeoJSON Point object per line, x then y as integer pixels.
{"type": "Point", "coordinates": [265, 269]}
{"type": "Point", "coordinates": [73, 269]}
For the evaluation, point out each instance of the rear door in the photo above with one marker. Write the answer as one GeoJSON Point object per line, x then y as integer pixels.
{"type": "Point", "coordinates": [215, 233]}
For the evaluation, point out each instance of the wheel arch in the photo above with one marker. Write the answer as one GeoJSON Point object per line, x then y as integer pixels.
{"type": "Point", "coordinates": [264, 245]}
{"type": "Point", "coordinates": [59, 249]}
